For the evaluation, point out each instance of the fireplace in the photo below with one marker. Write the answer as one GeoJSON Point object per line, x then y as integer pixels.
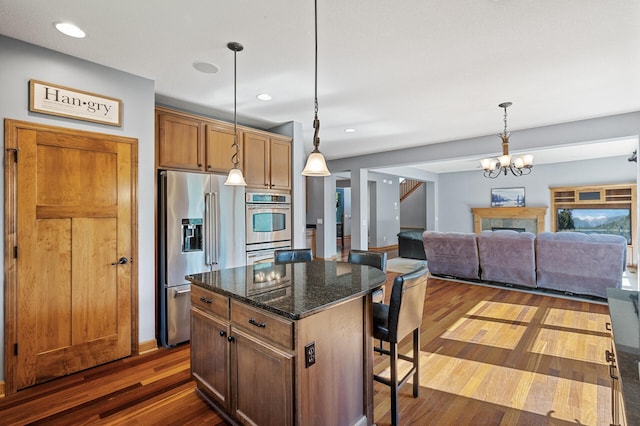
{"type": "Point", "coordinates": [522, 219]}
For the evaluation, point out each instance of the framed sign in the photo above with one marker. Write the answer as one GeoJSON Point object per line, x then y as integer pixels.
{"type": "Point", "coordinates": [507, 197]}
{"type": "Point", "coordinates": [47, 98]}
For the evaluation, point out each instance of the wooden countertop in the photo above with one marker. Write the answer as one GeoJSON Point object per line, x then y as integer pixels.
{"type": "Point", "coordinates": [293, 290]}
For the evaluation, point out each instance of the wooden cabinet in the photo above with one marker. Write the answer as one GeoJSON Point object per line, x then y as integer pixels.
{"type": "Point", "coordinates": [194, 143]}
{"type": "Point", "coordinates": [179, 142]}
{"type": "Point", "coordinates": [248, 373]}
{"type": "Point", "coordinates": [253, 366]}
{"type": "Point", "coordinates": [219, 142]}
{"type": "Point", "coordinates": [210, 365]}
{"type": "Point", "coordinates": [267, 161]}
{"type": "Point", "coordinates": [263, 381]}
{"type": "Point", "coordinates": [618, 415]}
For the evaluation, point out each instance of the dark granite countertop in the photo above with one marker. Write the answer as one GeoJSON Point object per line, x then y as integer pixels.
{"type": "Point", "coordinates": [293, 290]}
{"type": "Point", "coordinates": [623, 309]}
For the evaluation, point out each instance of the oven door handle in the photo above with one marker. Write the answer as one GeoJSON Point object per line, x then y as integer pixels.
{"type": "Point", "coordinates": [263, 207]}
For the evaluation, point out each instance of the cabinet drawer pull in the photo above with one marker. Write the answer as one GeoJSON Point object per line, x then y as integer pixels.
{"type": "Point", "coordinates": [205, 300]}
{"type": "Point", "coordinates": [609, 356]}
{"type": "Point", "coordinates": [608, 326]}
{"type": "Point", "coordinates": [230, 339]}
{"type": "Point", "coordinates": [223, 333]}
{"type": "Point", "coordinates": [256, 323]}
{"type": "Point", "coordinates": [611, 372]}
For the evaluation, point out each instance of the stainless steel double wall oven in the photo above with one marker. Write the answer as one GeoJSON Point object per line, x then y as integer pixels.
{"type": "Point", "coordinates": [268, 219]}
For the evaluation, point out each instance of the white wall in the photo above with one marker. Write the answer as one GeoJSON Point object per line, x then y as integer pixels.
{"type": "Point", "coordinates": [459, 192]}
{"type": "Point", "coordinates": [22, 62]}
{"type": "Point", "coordinates": [413, 210]}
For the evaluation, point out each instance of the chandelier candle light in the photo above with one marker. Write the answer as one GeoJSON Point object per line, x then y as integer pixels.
{"type": "Point", "coordinates": [519, 166]}
{"type": "Point", "coordinates": [235, 177]}
{"type": "Point", "coordinates": [316, 164]}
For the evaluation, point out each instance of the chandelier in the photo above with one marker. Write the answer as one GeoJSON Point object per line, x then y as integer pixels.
{"type": "Point", "coordinates": [503, 164]}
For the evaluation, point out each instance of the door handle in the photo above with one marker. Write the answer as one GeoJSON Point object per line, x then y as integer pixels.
{"type": "Point", "coordinates": [121, 261]}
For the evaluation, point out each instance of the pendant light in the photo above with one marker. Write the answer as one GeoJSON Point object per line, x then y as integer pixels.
{"type": "Point", "coordinates": [316, 164]}
{"type": "Point", "coordinates": [235, 177]}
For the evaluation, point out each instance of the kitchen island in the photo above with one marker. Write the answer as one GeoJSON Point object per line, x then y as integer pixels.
{"type": "Point", "coordinates": [285, 344]}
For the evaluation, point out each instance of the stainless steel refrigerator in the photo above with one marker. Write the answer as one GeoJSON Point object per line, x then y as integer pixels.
{"type": "Point", "coordinates": [201, 228]}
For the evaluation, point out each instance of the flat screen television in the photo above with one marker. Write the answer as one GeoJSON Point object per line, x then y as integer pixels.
{"type": "Point", "coordinates": [616, 221]}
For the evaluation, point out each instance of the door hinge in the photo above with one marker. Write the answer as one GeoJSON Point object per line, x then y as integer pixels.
{"type": "Point", "coordinates": [15, 349]}
{"type": "Point", "coordinates": [15, 152]}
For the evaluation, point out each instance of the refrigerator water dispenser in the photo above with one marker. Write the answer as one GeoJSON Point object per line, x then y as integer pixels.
{"type": "Point", "coordinates": [191, 235]}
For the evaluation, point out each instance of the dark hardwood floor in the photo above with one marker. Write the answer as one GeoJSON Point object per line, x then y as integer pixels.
{"type": "Point", "coordinates": [489, 356]}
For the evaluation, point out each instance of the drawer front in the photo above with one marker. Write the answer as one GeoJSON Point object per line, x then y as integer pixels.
{"type": "Point", "coordinates": [209, 301]}
{"type": "Point", "coordinates": [264, 325]}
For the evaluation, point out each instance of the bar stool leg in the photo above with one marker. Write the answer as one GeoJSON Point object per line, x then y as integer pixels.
{"type": "Point", "coordinates": [393, 363]}
{"type": "Point", "coordinates": [416, 362]}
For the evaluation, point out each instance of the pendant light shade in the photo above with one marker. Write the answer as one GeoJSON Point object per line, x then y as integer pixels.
{"type": "Point", "coordinates": [316, 164]}
{"type": "Point", "coordinates": [235, 177]}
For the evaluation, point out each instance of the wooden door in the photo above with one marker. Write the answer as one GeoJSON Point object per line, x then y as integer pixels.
{"type": "Point", "coordinates": [70, 220]}
{"type": "Point", "coordinates": [280, 164]}
{"type": "Point", "coordinates": [219, 148]}
{"type": "Point", "coordinates": [255, 159]}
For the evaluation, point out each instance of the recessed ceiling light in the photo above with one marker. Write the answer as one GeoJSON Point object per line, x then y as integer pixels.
{"type": "Point", "coordinates": [205, 67]}
{"type": "Point", "coordinates": [69, 29]}
{"type": "Point", "coordinates": [349, 130]}
{"type": "Point", "coordinates": [264, 97]}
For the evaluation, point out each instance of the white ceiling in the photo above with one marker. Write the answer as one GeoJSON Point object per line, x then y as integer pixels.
{"type": "Point", "coordinates": [402, 73]}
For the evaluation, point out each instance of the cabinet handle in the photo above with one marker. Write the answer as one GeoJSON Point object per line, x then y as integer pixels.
{"type": "Point", "coordinates": [223, 333]}
{"type": "Point", "coordinates": [230, 339]}
{"type": "Point", "coordinates": [608, 326]}
{"type": "Point", "coordinates": [205, 300]}
{"type": "Point", "coordinates": [609, 356]}
{"type": "Point", "coordinates": [611, 370]}
{"type": "Point", "coordinates": [199, 164]}
{"type": "Point", "coordinates": [256, 323]}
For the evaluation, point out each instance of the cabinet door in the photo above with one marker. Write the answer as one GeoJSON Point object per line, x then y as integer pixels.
{"type": "Point", "coordinates": [255, 152]}
{"type": "Point", "coordinates": [180, 144]}
{"type": "Point", "coordinates": [210, 356]}
{"type": "Point", "coordinates": [263, 382]}
{"type": "Point", "coordinates": [280, 164]}
{"type": "Point", "coordinates": [219, 150]}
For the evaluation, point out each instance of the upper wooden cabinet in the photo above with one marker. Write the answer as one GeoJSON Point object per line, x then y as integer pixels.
{"type": "Point", "coordinates": [219, 149]}
{"type": "Point", "coordinates": [267, 161]}
{"type": "Point", "coordinates": [180, 142]}
{"type": "Point", "coordinates": [189, 142]}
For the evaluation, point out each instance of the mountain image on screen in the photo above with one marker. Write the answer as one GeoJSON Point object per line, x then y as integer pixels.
{"type": "Point", "coordinates": [595, 221]}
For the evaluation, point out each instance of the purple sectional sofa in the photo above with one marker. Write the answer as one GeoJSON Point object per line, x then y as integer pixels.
{"type": "Point", "coordinates": [568, 262]}
{"type": "Point", "coordinates": [452, 253]}
{"type": "Point", "coordinates": [507, 257]}
{"type": "Point", "coordinates": [579, 263]}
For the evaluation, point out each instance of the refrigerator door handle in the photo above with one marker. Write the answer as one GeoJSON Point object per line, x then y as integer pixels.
{"type": "Point", "coordinates": [211, 223]}
{"type": "Point", "coordinates": [207, 228]}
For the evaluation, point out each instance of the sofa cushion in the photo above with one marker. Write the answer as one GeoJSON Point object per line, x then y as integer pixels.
{"type": "Point", "coordinates": [452, 253]}
{"type": "Point", "coordinates": [507, 256]}
{"type": "Point", "coordinates": [580, 263]}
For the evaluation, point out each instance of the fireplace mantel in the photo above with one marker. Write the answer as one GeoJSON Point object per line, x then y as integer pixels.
{"type": "Point", "coordinates": [511, 214]}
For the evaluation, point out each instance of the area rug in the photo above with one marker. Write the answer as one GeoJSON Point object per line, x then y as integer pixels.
{"type": "Point", "coordinates": [402, 265]}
